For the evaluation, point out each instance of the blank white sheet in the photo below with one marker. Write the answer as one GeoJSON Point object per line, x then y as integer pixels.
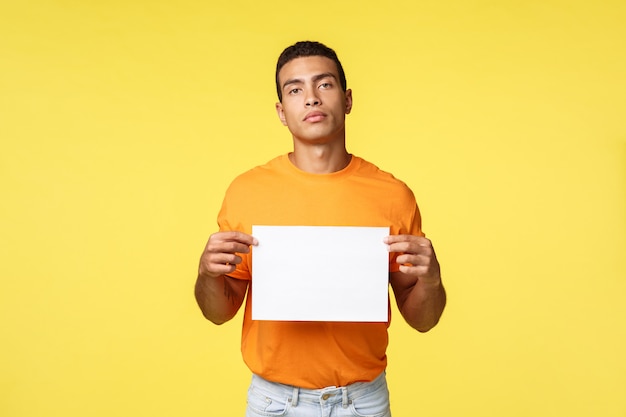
{"type": "Point", "coordinates": [320, 273]}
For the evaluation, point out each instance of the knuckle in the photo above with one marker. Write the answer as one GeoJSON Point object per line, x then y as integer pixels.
{"type": "Point", "coordinates": [236, 247]}
{"type": "Point", "coordinates": [212, 247]}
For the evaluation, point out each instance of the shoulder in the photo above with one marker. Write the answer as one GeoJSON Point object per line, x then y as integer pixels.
{"type": "Point", "coordinates": [367, 168]}
{"type": "Point", "coordinates": [258, 174]}
{"type": "Point", "coordinates": [246, 187]}
{"type": "Point", "coordinates": [377, 177]}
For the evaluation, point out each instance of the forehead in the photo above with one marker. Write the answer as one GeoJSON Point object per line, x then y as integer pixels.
{"type": "Point", "coordinates": [306, 67]}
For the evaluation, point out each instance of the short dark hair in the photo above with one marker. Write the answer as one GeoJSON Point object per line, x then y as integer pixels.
{"type": "Point", "coordinates": [304, 49]}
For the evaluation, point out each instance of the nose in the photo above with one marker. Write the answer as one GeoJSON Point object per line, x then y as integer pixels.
{"type": "Point", "coordinates": [311, 98]}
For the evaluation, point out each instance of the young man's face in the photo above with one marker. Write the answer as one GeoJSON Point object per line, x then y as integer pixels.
{"type": "Point", "coordinates": [313, 106]}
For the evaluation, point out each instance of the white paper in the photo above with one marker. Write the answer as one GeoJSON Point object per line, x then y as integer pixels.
{"type": "Point", "coordinates": [320, 273]}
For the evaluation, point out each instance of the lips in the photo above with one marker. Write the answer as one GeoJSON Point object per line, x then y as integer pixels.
{"type": "Point", "coordinates": [315, 116]}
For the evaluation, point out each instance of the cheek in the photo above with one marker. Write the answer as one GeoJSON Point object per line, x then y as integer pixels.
{"type": "Point", "coordinates": [287, 119]}
{"type": "Point", "coordinates": [290, 118]}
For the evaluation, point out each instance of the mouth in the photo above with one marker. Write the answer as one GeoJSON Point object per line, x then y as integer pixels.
{"type": "Point", "coordinates": [314, 116]}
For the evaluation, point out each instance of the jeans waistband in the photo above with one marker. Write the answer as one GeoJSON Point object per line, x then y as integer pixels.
{"type": "Point", "coordinates": [331, 394]}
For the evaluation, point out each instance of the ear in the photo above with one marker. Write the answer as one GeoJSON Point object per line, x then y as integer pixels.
{"type": "Point", "coordinates": [348, 95]}
{"type": "Point", "coordinates": [281, 113]}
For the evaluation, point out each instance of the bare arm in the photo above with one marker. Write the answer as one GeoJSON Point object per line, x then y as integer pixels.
{"type": "Point", "coordinates": [218, 295]}
{"type": "Point", "coordinates": [417, 286]}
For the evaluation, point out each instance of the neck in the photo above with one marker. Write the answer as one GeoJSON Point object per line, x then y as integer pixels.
{"type": "Point", "coordinates": [320, 159]}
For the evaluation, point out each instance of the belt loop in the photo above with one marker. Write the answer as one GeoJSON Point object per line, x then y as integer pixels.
{"type": "Point", "coordinates": [294, 400]}
{"type": "Point", "coordinates": [344, 397]}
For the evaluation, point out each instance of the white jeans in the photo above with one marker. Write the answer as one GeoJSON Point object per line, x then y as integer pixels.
{"type": "Point", "coordinates": [361, 399]}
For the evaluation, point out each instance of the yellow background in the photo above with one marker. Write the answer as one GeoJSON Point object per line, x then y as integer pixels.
{"type": "Point", "coordinates": [122, 123]}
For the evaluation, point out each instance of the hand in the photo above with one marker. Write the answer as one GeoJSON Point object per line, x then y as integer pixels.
{"type": "Point", "coordinates": [417, 257]}
{"type": "Point", "coordinates": [220, 254]}
{"type": "Point", "coordinates": [417, 286]}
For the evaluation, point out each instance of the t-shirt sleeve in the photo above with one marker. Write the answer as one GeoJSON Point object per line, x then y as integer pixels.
{"type": "Point", "coordinates": [412, 226]}
{"type": "Point", "coordinates": [226, 224]}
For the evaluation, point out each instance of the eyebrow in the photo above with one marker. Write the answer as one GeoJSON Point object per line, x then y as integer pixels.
{"type": "Point", "coordinates": [315, 78]}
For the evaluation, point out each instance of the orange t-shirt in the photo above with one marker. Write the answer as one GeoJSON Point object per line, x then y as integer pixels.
{"type": "Point", "coordinates": [316, 354]}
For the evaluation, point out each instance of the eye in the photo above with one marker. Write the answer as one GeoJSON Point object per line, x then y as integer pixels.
{"type": "Point", "coordinates": [325, 85]}
{"type": "Point", "coordinates": [294, 91]}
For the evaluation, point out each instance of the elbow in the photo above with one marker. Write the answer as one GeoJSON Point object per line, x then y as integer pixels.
{"type": "Point", "coordinates": [215, 318]}
{"type": "Point", "coordinates": [209, 311]}
{"type": "Point", "coordinates": [421, 323]}
{"type": "Point", "coordinates": [424, 327]}
{"type": "Point", "coordinates": [216, 321]}
{"type": "Point", "coordinates": [424, 321]}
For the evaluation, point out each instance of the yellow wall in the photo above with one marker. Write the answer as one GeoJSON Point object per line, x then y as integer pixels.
{"type": "Point", "coordinates": [121, 124]}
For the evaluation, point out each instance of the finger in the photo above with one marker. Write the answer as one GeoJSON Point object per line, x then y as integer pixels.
{"type": "Point", "coordinates": [219, 264]}
{"type": "Point", "coordinates": [412, 248]}
{"type": "Point", "coordinates": [419, 270]}
{"type": "Point", "coordinates": [236, 236]}
{"type": "Point", "coordinates": [401, 247]}
{"type": "Point", "coordinates": [219, 269]}
{"type": "Point", "coordinates": [406, 238]}
{"type": "Point", "coordinates": [407, 243]}
{"type": "Point", "coordinates": [397, 238]}
{"type": "Point", "coordinates": [227, 247]}
{"type": "Point", "coordinates": [230, 242]}
{"type": "Point", "coordinates": [223, 259]}
{"type": "Point", "coordinates": [413, 259]}
{"type": "Point", "coordinates": [423, 273]}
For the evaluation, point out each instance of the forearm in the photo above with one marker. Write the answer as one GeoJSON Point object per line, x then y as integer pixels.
{"type": "Point", "coordinates": [423, 305]}
{"type": "Point", "coordinates": [218, 295]}
{"type": "Point", "coordinates": [417, 285]}
{"type": "Point", "coordinates": [218, 298]}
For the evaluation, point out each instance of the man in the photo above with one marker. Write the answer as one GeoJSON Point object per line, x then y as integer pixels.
{"type": "Point", "coordinates": [317, 368]}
